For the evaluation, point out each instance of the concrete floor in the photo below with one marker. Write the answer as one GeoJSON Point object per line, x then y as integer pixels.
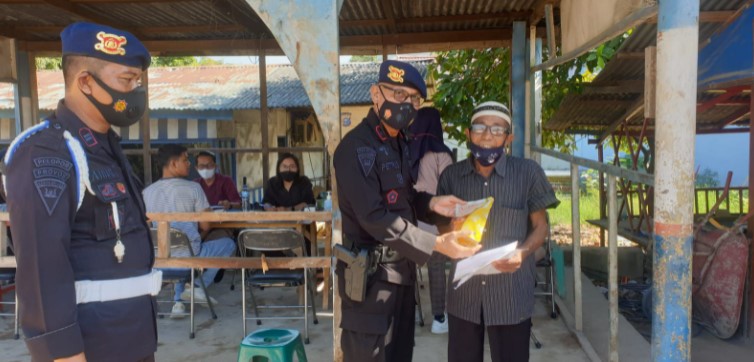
{"type": "Point", "coordinates": [217, 340]}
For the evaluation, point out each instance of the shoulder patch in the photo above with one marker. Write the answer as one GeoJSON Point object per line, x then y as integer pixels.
{"type": "Point", "coordinates": [367, 156]}
{"type": "Point", "coordinates": [51, 176]}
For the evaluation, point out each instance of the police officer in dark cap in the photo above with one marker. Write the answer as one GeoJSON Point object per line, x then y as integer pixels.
{"type": "Point", "coordinates": [85, 281]}
{"type": "Point", "coordinates": [380, 207]}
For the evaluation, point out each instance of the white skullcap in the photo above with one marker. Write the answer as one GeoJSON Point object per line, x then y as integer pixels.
{"type": "Point", "coordinates": [491, 108]}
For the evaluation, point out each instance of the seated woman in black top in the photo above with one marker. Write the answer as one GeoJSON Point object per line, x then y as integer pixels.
{"type": "Point", "coordinates": [288, 191]}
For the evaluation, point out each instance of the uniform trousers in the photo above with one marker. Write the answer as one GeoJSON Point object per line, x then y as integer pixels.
{"type": "Point", "coordinates": [381, 328]}
{"type": "Point", "coordinates": [438, 282]}
{"type": "Point", "coordinates": [508, 343]}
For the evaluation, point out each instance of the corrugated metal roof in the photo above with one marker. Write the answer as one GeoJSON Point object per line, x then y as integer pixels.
{"type": "Point", "coordinates": [587, 113]}
{"type": "Point", "coordinates": [395, 21]}
{"type": "Point", "coordinates": [222, 87]}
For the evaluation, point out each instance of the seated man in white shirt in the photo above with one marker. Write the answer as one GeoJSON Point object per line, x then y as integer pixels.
{"type": "Point", "coordinates": [174, 193]}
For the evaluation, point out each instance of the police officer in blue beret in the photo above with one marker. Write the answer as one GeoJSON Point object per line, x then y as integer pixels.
{"type": "Point", "coordinates": [380, 208]}
{"type": "Point", "coordinates": [85, 282]}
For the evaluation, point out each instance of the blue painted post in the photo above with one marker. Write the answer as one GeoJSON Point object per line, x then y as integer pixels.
{"type": "Point", "coordinates": [677, 52]}
{"type": "Point", "coordinates": [518, 86]}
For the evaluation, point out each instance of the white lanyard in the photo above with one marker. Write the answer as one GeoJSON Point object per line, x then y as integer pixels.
{"type": "Point", "coordinates": [119, 249]}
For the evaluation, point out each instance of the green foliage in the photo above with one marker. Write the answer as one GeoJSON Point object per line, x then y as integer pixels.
{"type": "Point", "coordinates": [183, 61]}
{"type": "Point", "coordinates": [467, 77]}
{"type": "Point", "coordinates": [174, 62]}
{"type": "Point", "coordinates": [707, 178]}
{"type": "Point", "coordinates": [45, 63]}
{"type": "Point", "coordinates": [589, 208]}
{"type": "Point", "coordinates": [210, 61]}
{"type": "Point", "coordinates": [570, 78]}
{"type": "Point", "coordinates": [365, 59]}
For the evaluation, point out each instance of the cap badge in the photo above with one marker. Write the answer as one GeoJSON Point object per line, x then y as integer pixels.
{"type": "Point", "coordinates": [120, 106]}
{"type": "Point", "coordinates": [110, 43]}
{"type": "Point", "coordinates": [395, 74]}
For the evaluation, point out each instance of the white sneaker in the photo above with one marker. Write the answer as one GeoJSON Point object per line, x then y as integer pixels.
{"type": "Point", "coordinates": [199, 295]}
{"type": "Point", "coordinates": [178, 311]}
{"type": "Point", "coordinates": [440, 327]}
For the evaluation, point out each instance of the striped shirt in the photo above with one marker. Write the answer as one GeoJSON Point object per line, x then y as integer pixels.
{"type": "Point", "coordinates": [519, 187]}
{"type": "Point", "coordinates": [178, 195]}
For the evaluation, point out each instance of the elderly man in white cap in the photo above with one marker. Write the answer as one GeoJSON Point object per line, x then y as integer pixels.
{"type": "Point", "coordinates": [501, 303]}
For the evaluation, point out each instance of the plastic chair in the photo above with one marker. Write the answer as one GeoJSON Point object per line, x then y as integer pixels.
{"type": "Point", "coordinates": [284, 240]}
{"type": "Point", "coordinates": [180, 244]}
{"type": "Point", "coordinates": [8, 275]}
{"type": "Point", "coordinates": [276, 345]}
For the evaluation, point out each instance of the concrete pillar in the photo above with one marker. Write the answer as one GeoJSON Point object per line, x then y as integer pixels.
{"type": "Point", "coordinates": [519, 71]}
{"type": "Point", "coordinates": [677, 52]}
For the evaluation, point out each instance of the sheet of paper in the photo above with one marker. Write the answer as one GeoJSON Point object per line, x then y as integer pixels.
{"type": "Point", "coordinates": [481, 263]}
{"type": "Point", "coordinates": [463, 210]}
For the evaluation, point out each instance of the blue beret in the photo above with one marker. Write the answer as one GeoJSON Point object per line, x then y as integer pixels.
{"type": "Point", "coordinates": [106, 43]}
{"type": "Point", "coordinates": [400, 73]}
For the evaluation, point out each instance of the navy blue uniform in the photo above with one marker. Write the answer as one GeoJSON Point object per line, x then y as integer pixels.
{"type": "Point", "coordinates": [380, 207]}
{"type": "Point", "coordinates": [56, 245]}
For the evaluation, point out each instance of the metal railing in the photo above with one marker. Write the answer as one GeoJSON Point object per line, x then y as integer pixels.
{"type": "Point", "coordinates": [613, 173]}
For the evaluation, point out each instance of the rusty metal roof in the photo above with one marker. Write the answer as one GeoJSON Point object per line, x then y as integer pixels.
{"type": "Point", "coordinates": [366, 26]}
{"type": "Point", "coordinates": [619, 87]}
{"type": "Point", "coordinates": [221, 88]}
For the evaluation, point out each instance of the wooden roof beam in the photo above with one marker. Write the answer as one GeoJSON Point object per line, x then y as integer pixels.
{"type": "Point", "coordinates": [721, 16]}
{"type": "Point", "coordinates": [387, 8]}
{"type": "Point", "coordinates": [203, 28]}
{"type": "Point", "coordinates": [721, 99]}
{"type": "Point", "coordinates": [733, 118]}
{"type": "Point", "coordinates": [627, 86]}
{"type": "Point", "coordinates": [363, 44]}
{"type": "Point", "coordinates": [538, 10]}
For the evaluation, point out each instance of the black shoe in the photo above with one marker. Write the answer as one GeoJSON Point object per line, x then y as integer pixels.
{"type": "Point", "coordinates": [219, 276]}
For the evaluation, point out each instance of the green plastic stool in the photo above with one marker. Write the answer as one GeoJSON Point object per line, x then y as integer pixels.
{"type": "Point", "coordinates": [273, 345]}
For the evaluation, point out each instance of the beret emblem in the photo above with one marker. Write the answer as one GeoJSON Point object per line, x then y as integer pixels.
{"type": "Point", "coordinates": [110, 43]}
{"type": "Point", "coordinates": [395, 74]}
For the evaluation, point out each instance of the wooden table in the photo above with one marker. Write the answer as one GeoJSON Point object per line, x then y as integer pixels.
{"type": "Point", "coordinates": [300, 220]}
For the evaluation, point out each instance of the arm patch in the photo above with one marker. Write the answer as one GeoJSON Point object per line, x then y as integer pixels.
{"type": "Point", "coordinates": [51, 176]}
{"type": "Point", "coordinates": [367, 156]}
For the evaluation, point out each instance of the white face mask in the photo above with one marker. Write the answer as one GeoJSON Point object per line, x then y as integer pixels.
{"type": "Point", "coordinates": [206, 174]}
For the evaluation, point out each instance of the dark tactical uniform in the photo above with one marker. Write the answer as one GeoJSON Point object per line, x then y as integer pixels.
{"type": "Point", "coordinates": [379, 207]}
{"type": "Point", "coordinates": [56, 245]}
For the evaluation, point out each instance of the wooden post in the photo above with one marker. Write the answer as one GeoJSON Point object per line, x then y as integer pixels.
{"type": "Point", "coordinates": [263, 113]}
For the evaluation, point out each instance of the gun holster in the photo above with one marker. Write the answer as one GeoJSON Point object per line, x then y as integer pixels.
{"type": "Point", "coordinates": [356, 273]}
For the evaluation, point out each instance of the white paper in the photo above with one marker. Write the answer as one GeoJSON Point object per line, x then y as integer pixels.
{"type": "Point", "coordinates": [481, 263]}
{"type": "Point", "coordinates": [463, 210]}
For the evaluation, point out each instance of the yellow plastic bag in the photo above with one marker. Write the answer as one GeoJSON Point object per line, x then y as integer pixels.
{"type": "Point", "coordinates": [476, 223]}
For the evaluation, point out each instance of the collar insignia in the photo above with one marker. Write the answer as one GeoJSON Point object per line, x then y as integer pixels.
{"type": "Point", "coordinates": [110, 43]}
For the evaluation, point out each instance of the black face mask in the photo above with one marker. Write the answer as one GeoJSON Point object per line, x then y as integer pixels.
{"type": "Point", "coordinates": [126, 109]}
{"type": "Point", "coordinates": [397, 115]}
{"type": "Point", "coordinates": [288, 175]}
{"type": "Point", "coordinates": [486, 156]}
